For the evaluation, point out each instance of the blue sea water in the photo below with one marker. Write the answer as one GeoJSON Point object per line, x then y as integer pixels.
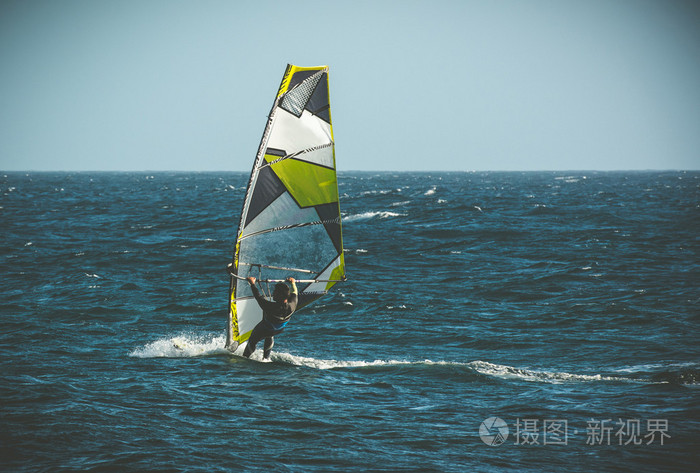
{"type": "Point", "coordinates": [564, 304]}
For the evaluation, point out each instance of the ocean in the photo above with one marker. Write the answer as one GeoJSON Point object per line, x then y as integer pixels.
{"type": "Point", "coordinates": [491, 321]}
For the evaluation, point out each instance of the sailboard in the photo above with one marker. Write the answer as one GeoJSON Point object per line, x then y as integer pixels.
{"type": "Point", "coordinates": [290, 224]}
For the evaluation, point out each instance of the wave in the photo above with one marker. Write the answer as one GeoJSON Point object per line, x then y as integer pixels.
{"type": "Point", "coordinates": [481, 367]}
{"type": "Point", "coordinates": [553, 377]}
{"type": "Point", "coordinates": [370, 215]}
{"type": "Point", "coordinates": [378, 192]}
{"type": "Point", "coordinates": [651, 367]}
{"type": "Point", "coordinates": [321, 364]}
{"type": "Point", "coordinates": [685, 373]}
{"type": "Point", "coordinates": [190, 345]}
{"type": "Point", "coordinates": [183, 346]}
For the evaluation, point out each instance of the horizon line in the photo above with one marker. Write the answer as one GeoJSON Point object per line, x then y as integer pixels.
{"type": "Point", "coordinates": [183, 171]}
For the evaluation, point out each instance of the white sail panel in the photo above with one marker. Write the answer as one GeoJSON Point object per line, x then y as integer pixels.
{"type": "Point", "coordinates": [301, 132]}
{"type": "Point", "coordinates": [283, 211]}
{"type": "Point", "coordinates": [327, 278]}
{"type": "Point", "coordinates": [248, 306]}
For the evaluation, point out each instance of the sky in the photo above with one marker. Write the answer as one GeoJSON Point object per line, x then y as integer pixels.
{"type": "Point", "coordinates": [437, 85]}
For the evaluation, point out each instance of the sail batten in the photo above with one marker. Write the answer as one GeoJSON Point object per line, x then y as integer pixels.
{"type": "Point", "coordinates": [287, 227]}
{"type": "Point", "coordinates": [290, 216]}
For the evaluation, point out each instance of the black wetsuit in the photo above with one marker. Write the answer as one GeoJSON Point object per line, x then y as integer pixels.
{"type": "Point", "coordinates": [275, 318]}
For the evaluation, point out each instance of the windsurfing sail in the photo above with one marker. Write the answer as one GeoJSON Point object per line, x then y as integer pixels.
{"type": "Point", "coordinates": [290, 223]}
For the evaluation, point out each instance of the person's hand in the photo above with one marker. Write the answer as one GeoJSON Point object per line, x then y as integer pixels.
{"type": "Point", "coordinates": [251, 280]}
{"type": "Point", "coordinates": [291, 280]}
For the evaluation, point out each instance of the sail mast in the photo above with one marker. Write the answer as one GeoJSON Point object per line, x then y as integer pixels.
{"type": "Point", "coordinates": [244, 210]}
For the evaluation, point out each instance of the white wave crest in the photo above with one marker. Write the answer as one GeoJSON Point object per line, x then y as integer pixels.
{"type": "Point", "coordinates": [554, 377]}
{"type": "Point", "coordinates": [657, 366]}
{"type": "Point", "coordinates": [189, 346]}
{"type": "Point", "coordinates": [183, 346]}
{"type": "Point", "coordinates": [333, 364]}
{"type": "Point", "coordinates": [483, 367]}
{"type": "Point", "coordinates": [376, 192]}
{"type": "Point", "coordinates": [369, 215]}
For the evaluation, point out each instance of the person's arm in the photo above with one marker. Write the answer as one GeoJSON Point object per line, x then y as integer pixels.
{"type": "Point", "coordinates": [292, 281]}
{"type": "Point", "coordinates": [293, 296]}
{"type": "Point", "coordinates": [256, 293]}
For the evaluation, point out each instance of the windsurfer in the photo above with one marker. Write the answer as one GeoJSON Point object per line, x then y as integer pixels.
{"type": "Point", "coordinates": [276, 315]}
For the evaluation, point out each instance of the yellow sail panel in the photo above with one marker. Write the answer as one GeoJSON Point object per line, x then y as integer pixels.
{"type": "Point", "coordinates": [308, 183]}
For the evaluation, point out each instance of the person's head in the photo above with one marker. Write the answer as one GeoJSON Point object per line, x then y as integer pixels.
{"type": "Point", "coordinates": [281, 292]}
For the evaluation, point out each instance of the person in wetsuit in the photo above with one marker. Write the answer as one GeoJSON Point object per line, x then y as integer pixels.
{"type": "Point", "coordinates": [276, 315]}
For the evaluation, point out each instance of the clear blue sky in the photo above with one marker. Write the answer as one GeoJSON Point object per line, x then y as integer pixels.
{"type": "Point", "coordinates": [415, 85]}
